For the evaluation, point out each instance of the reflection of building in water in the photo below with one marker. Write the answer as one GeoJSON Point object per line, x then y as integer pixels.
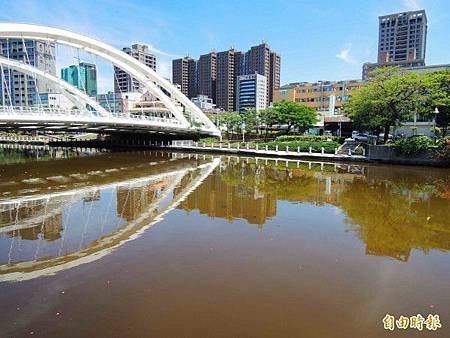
{"type": "Point", "coordinates": [219, 199]}
{"type": "Point", "coordinates": [50, 230]}
{"type": "Point", "coordinates": [40, 218]}
{"type": "Point", "coordinates": [389, 212]}
{"type": "Point", "coordinates": [92, 197]}
{"type": "Point", "coordinates": [132, 202]}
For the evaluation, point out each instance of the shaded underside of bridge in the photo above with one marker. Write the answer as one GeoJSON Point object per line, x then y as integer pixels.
{"type": "Point", "coordinates": [115, 129]}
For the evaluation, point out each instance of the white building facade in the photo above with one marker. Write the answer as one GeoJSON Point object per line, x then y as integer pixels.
{"type": "Point", "coordinates": [251, 92]}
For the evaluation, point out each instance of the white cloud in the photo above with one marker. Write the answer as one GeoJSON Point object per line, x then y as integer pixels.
{"type": "Point", "coordinates": [412, 4]}
{"type": "Point", "coordinates": [164, 68]}
{"type": "Point", "coordinates": [345, 55]}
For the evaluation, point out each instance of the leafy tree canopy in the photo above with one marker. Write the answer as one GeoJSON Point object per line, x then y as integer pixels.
{"type": "Point", "coordinates": [293, 115]}
{"type": "Point", "coordinates": [387, 100]}
{"type": "Point", "coordinates": [438, 90]}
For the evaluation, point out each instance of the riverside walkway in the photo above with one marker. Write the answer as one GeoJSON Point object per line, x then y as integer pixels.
{"type": "Point", "coordinates": [255, 150]}
{"type": "Point", "coordinates": [190, 146]}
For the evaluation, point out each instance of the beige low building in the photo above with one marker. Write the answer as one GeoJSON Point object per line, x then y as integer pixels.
{"type": "Point", "coordinates": [326, 97]}
{"type": "Point", "coordinates": [323, 95]}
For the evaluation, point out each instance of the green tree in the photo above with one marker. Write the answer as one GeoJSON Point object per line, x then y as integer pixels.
{"type": "Point", "coordinates": [251, 119]}
{"type": "Point", "coordinates": [232, 121]}
{"type": "Point", "coordinates": [438, 88]}
{"type": "Point", "coordinates": [295, 115]}
{"type": "Point", "coordinates": [386, 101]}
{"type": "Point", "coordinates": [267, 118]}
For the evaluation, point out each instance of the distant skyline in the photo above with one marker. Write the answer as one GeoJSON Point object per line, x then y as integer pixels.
{"type": "Point", "coordinates": [325, 40]}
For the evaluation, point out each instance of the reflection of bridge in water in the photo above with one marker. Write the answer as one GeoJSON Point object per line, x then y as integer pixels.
{"type": "Point", "coordinates": [98, 203]}
{"type": "Point", "coordinates": [52, 232]}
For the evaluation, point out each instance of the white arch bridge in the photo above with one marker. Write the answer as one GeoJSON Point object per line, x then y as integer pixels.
{"type": "Point", "coordinates": [172, 114]}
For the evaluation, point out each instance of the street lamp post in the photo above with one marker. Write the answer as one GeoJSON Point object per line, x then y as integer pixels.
{"type": "Point", "coordinates": [436, 112]}
{"type": "Point", "coordinates": [243, 131]}
{"type": "Point", "coordinates": [340, 122]}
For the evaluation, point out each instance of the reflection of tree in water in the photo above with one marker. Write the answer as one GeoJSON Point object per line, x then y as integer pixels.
{"type": "Point", "coordinates": [392, 210]}
{"type": "Point", "coordinates": [392, 221]}
{"type": "Point", "coordinates": [250, 191]}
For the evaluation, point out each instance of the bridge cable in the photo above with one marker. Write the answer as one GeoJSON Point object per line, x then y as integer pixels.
{"type": "Point", "coordinates": [34, 76]}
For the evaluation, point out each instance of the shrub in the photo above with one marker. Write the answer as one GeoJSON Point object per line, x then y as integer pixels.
{"type": "Point", "coordinates": [208, 140]}
{"type": "Point", "coordinates": [329, 147]}
{"type": "Point", "coordinates": [311, 138]}
{"type": "Point", "coordinates": [413, 145]}
{"type": "Point", "coordinates": [443, 149]}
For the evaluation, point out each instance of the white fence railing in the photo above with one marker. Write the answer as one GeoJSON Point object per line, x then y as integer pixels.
{"type": "Point", "coordinates": [250, 148]}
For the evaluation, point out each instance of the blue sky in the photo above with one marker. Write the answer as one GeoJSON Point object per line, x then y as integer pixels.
{"type": "Point", "coordinates": [317, 40]}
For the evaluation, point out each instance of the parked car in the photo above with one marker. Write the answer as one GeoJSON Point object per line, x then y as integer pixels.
{"type": "Point", "coordinates": [381, 136]}
{"type": "Point", "coordinates": [361, 137]}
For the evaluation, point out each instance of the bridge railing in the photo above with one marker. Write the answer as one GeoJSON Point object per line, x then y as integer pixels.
{"type": "Point", "coordinates": [38, 111]}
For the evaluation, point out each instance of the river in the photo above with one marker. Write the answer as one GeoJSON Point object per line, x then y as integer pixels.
{"type": "Point", "coordinates": [140, 244]}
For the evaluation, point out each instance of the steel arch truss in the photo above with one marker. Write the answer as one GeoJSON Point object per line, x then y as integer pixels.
{"type": "Point", "coordinates": [189, 118]}
{"type": "Point", "coordinates": [75, 93]}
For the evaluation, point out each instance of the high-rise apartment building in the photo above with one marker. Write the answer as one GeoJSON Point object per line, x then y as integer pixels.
{"type": "Point", "coordinates": [217, 73]}
{"type": "Point", "coordinates": [184, 74]}
{"type": "Point", "coordinates": [83, 76]}
{"type": "Point", "coordinates": [207, 74]}
{"type": "Point", "coordinates": [229, 67]}
{"type": "Point", "coordinates": [16, 88]}
{"type": "Point", "coordinates": [251, 92]}
{"type": "Point", "coordinates": [260, 59]}
{"type": "Point", "coordinates": [274, 76]}
{"type": "Point", "coordinates": [123, 82]}
{"type": "Point", "coordinates": [402, 39]}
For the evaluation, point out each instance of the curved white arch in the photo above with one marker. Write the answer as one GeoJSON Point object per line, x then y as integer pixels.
{"type": "Point", "coordinates": [143, 74]}
{"type": "Point", "coordinates": [31, 70]}
{"type": "Point", "coordinates": [107, 244]}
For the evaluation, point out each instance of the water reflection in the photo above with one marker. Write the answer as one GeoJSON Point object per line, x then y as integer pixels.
{"type": "Point", "coordinates": [21, 153]}
{"type": "Point", "coordinates": [393, 210]}
{"type": "Point", "coordinates": [86, 214]}
{"type": "Point", "coordinates": [62, 213]}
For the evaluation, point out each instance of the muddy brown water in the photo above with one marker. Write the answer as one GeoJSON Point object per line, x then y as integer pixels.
{"type": "Point", "coordinates": [152, 244]}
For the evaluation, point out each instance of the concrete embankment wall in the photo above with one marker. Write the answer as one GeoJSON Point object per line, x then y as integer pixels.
{"type": "Point", "coordinates": [388, 154]}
